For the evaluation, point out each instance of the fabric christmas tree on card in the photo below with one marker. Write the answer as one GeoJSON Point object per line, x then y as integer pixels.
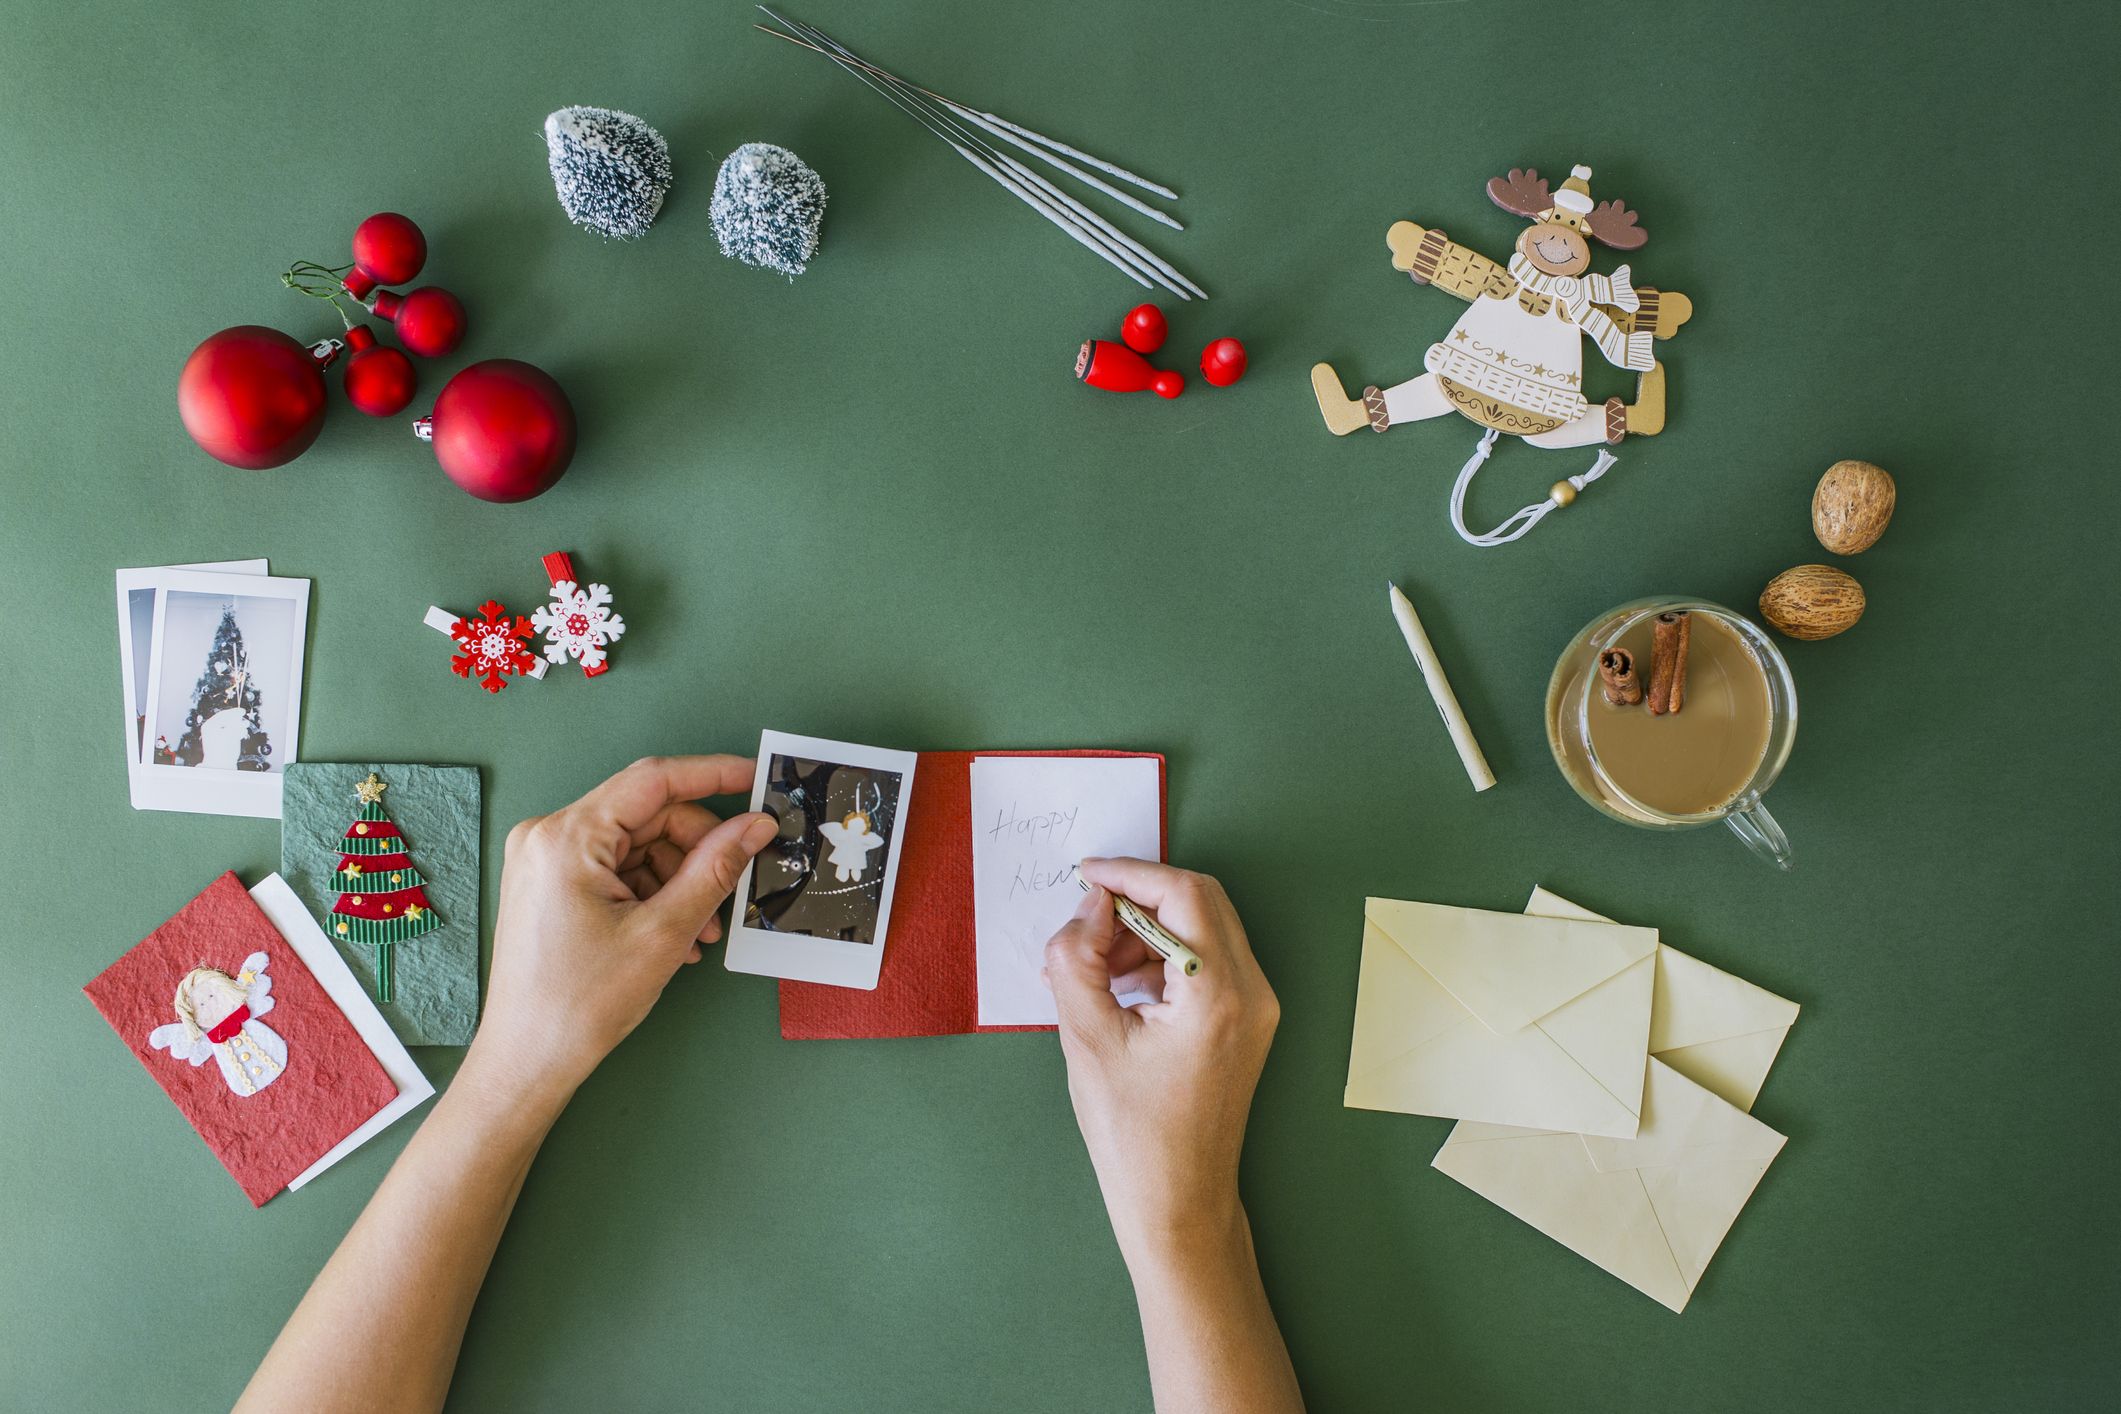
{"type": "Point", "coordinates": [244, 1040]}
{"type": "Point", "coordinates": [434, 997]}
{"type": "Point", "coordinates": [381, 898]}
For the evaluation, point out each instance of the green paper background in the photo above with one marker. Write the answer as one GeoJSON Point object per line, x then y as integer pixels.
{"type": "Point", "coordinates": [873, 504]}
{"type": "Point", "coordinates": [435, 1001]}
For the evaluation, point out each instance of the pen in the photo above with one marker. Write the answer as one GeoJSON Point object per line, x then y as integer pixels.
{"type": "Point", "coordinates": [1454, 721]}
{"type": "Point", "coordinates": [1151, 932]}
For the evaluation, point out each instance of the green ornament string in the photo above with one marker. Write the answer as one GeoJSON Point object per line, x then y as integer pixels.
{"type": "Point", "coordinates": [319, 282]}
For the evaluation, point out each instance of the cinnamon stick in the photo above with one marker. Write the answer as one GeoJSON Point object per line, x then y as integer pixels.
{"type": "Point", "coordinates": [1616, 672]}
{"type": "Point", "coordinates": [1668, 645]}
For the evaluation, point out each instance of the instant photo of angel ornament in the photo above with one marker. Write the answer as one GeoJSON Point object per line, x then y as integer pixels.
{"type": "Point", "coordinates": [1514, 361]}
{"type": "Point", "coordinates": [217, 1019]}
{"type": "Point", "coordinates": [852, 841]}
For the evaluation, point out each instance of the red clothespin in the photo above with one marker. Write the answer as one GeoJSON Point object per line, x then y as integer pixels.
{"type": "Point", "coordinates": [578, 623]}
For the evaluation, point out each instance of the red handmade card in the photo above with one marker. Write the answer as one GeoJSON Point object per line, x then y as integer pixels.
{"type": "Point", "coordinates": [236, 1031]}
{"type": "Point", "coordinates": [930, 980]}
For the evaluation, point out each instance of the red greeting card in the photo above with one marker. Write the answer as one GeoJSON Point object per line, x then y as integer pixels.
{"type": "Point", "coordinates": [929, 985]}
{"type": "Point", "coordinates": [243, 1039]}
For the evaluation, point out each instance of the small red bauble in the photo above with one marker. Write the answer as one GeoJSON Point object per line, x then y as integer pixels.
{"type": "Point", "coordinates": [1223, 362]}
{"type": "Point", "coordinates": [388, 249]}
{"type": "Point", "coordinates": [253, 397]}
{"type": "Point", "coordinates": [1144, 329]}
{"type": "Point", "coordinates": [1119, 369]}
{"type": "Point", "coordinates": [379, 381]}
{"type": "Point", "coordinates": [502, 430]}
{"type": "Point", "coordinates": [429, 321]}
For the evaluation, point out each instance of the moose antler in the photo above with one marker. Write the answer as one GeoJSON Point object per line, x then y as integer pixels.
{"type": "Point", "coordinates": [1524, 191]}
{"type": "Point", "coordinates": [1613, 224]}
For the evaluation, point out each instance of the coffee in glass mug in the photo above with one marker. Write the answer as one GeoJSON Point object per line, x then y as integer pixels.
{"type": "Point", "coordinates": [1709, 759]}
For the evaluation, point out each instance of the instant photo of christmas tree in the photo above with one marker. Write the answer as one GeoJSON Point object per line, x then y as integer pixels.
{"type": "Point", "coordinates": [381, 901]}
{"type": "Point", "coordinates": [224, 730]}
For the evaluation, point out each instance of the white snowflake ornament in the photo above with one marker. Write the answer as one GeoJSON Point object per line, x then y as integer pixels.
{"type": "Point", "coordinates": [578, 624]}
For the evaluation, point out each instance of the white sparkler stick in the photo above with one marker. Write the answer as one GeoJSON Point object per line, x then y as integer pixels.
{"type": "Point", "coordinates": [1083, 224]}
{"type": "Point", "coordinates": [1047, 156]}
{"type": "Point", "coordinates": [1120, 172]}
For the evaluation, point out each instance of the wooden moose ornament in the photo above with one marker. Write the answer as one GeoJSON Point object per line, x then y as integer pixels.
{"type": "Point", "coordinates": [1514, 361]}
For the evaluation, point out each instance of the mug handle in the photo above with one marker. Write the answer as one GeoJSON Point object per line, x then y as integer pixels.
{"type": "Point", "coordinates": [1760, 834]}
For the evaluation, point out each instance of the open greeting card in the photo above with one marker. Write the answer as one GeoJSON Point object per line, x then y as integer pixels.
{"type": "Point", "coordinates": [241, 1011]}
{"type": "Point", "coordinates": [991, 842]}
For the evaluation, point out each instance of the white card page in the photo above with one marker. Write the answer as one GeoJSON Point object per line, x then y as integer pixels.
{"type": "Point", "coordinates": [279, 904]}
{"type": "Point", "coordinates": [1034, 818]}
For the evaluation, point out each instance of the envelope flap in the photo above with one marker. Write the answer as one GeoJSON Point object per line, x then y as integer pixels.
{"type": "Point", "coordinates": [1398, 1007]}
{"type": "Point", "coordinates": [1697, 1002]}
{"type": "Point", "coordinates": [1509, 969]}
{"type": "Point", "coordinates": [1718, 1029]}
{"type": "Point", "coordinates": [1684, 1124]}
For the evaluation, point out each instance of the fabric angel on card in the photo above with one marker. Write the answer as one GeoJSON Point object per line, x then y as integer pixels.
{"type": "Point", "coordinates": [190, 1002]}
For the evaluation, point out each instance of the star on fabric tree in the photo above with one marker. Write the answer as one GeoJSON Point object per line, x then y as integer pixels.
{"type": "Point", "coordinates": [492, 647]}
{"type": "Point", "coordinates": [381, 901]}
{"type": "Point", "coordinates": [224, 729]}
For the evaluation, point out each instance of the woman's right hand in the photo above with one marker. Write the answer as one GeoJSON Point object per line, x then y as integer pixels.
{"type": "Point", "coordinates": [1161, 1091]}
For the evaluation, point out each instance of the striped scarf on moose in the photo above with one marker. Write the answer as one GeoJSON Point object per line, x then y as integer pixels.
{"type": "Point", "coordinates": [1581, 296]}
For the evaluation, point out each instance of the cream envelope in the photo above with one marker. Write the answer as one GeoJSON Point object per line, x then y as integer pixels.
{"type": "Point", "coordinates": [1651, 1210]}
{"type": "Point", "coordinates": [1504, 1017]}
{"type": "Point", "coordinates": [1715, 1029]}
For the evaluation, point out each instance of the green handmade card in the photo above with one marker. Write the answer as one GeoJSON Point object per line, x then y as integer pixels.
{"type": "Point", "coordinates": [387, 859]}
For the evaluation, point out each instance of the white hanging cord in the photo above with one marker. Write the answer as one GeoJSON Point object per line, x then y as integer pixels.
{"type": "Point", "coordinates": [1511, 529]}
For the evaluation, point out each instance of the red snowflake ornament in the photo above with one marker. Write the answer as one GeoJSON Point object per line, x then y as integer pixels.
{"type": "Point", "coordinates": [492, 646]}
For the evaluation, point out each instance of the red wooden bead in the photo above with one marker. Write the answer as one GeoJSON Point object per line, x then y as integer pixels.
{"type": "Point", "coordinates": [1144, 329]}
{"type": "Point", "coordinates": [1223, 362]}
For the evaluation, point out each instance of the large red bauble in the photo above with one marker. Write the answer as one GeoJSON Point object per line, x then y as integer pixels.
{"type": "Point", "coordinates": [429, 321]}
{"type": "Point", "coordinates": [252, 397]}
{"type": "Point", "coordinates": [503, 430]}
{"type": "Point", "coordinates": [379, 381]}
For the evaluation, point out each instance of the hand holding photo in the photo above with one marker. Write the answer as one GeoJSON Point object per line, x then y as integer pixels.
{"type": "Point", "coordinates": [815, 903]}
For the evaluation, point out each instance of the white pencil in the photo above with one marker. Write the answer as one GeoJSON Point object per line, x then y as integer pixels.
{"type": "Point", "coordinates": [1440, 689]}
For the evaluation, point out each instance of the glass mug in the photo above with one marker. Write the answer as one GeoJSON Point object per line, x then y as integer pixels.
{"type": "Point", "coordinates": [1569, 704]}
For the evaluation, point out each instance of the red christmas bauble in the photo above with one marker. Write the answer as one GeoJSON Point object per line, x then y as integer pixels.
{"type": "Point", "coordinates": [1223, 362]}
{"type": "Point", "coordinates": [429, 321]}
{"type": "Point", "coordinates": [252, 397]}
{"type": "Point", "coordinates": [388, 249]}
{"type": "Point", "coordinates": [379, 381]}
{"type": "Point", "coordinates": [1143, 329]}
{"type": "Point", "coordinates": [503, 430]}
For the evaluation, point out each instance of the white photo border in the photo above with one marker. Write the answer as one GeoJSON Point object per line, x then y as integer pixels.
{"type": "Point", "coordinates": [145, 579]}
{"type": "Point", "coordinates": [214, 792]}
{"type": "Point", "coordinates": [798, 956]}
